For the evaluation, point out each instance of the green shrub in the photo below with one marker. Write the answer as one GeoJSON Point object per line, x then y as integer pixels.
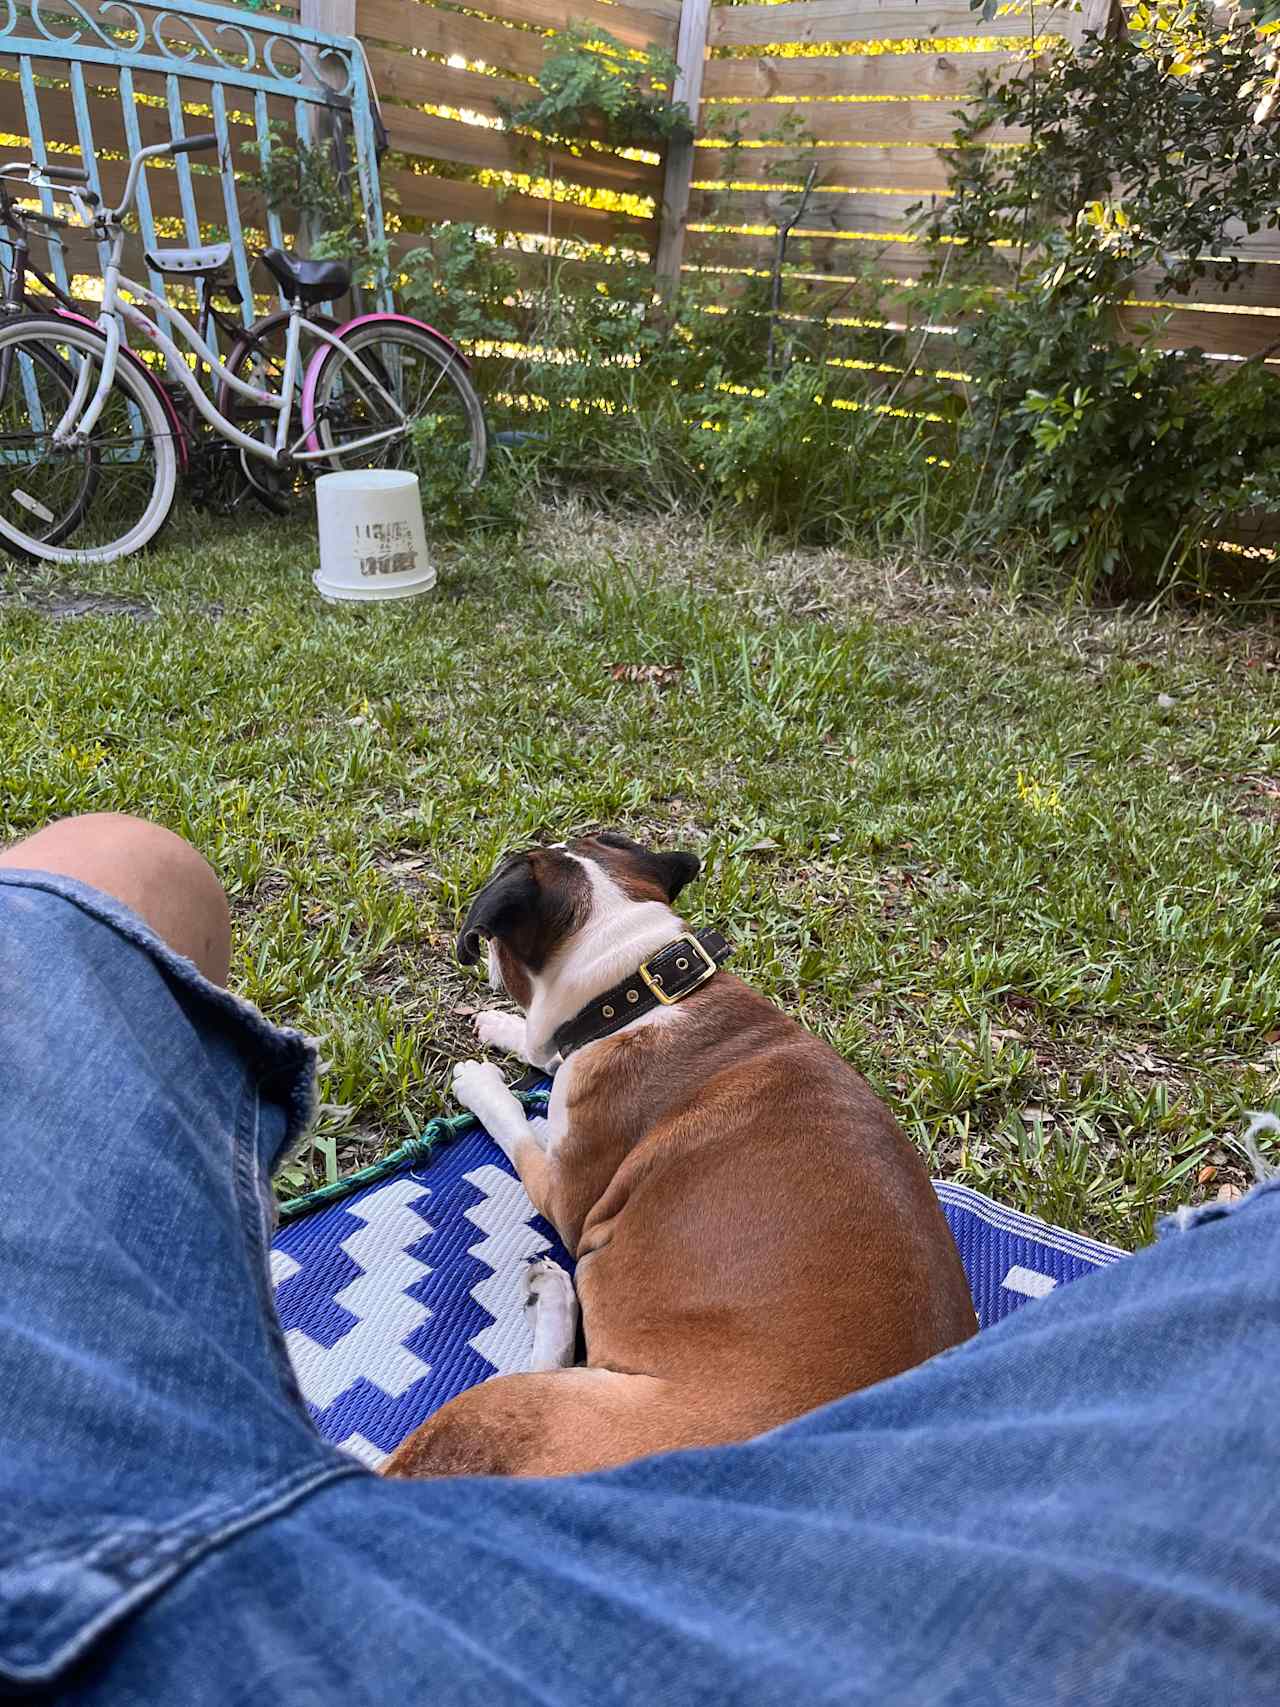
{"type": "Point", "coordinates": [1124, 457]}
{"type": "Point", "coordinates": [589, 82]}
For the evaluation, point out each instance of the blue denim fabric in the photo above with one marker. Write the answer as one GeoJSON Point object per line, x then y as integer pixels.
{"type": "Point", "coordinates": [1079, 1506]}
{"type": "Point", "coordinates": [147, 1408]}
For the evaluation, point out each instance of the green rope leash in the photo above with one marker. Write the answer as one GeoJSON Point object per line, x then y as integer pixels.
{"type": "Point", "coordinates": [438, 1132]}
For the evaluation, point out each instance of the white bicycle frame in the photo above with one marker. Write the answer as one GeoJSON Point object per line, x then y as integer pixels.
{"type": "Point", "coordinates": [82, 413]}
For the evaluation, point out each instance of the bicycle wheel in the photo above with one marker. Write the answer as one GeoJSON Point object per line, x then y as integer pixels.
{"type": "Point", "coordinates": [48, 496]}
{"type": "Point", "coordinates": [131, 450]}
{"type": "Point", "coordinates": [444, 442]}
{"type": "Point", "coordinates": [258, 357]}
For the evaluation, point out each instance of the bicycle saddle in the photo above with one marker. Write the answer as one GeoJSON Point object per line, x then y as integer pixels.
{"type": "Point", "coordinates": [196, 263]}
{"type": "Point", "coordinates": [309, 281]}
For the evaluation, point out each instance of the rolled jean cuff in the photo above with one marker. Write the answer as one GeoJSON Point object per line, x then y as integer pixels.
{"type": "Point", "coordinates": [272, 1053]}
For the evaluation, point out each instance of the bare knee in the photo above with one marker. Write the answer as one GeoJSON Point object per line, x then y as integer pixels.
{"type": "Point", "coordinates": [160, 876]}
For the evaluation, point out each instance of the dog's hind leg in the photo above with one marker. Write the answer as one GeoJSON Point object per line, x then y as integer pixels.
{"type": "Point", "coordinates": [555, 1424]}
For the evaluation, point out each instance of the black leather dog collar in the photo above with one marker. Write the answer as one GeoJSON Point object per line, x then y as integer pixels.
{"type": "Point", "coordinates": [664, 978]}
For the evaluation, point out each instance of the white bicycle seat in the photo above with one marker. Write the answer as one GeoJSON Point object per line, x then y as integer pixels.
{"type": "Point", "coordinates": [203, 262]}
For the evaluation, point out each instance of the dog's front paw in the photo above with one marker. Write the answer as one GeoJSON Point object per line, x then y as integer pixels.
{"type": "Point", "coordinates": [498, 1030]}
{"type": "Point", "coordinates": [544, 1278]}
{"type": "Point", "coordinates": [477, 1083]}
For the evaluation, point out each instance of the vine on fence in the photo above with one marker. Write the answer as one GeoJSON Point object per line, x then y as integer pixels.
{"type": "Point", "coordinates": [592, 86]}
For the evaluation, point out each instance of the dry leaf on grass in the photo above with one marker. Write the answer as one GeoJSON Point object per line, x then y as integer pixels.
{"type": "Point", "coordinates": [661, 674]}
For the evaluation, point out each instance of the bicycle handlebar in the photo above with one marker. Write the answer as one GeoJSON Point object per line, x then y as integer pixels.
{"type": "Point", "coordinates": [176, 145]}
{"type": "Point", "coordinates": [74, 176]}
{"type": "Point", "coordinates": [193, 144]}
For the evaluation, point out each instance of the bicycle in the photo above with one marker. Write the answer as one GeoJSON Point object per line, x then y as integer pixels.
{"type": "Point", "coordinates": [376, 391]}
{"type": "Point", "coordinates": [203, 464]}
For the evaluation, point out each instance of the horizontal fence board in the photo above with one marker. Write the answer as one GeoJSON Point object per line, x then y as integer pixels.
{"type": "Point", "coordinates": [1256, 246]}
{"type": "Point", "coordinates": [1258, 287]}
{"type": "Point", "coordinates": [834, 212]}
{"type": "Point", "coordinates": [412, 132]}
{"type": "Point", "coordinates": [407, 78]}
{"type": "Point", "coordinates": [655, 22]}
{"type": "Point", "coordinates": [839, 258]}
{"type": "Point", "coordinates": [873, 167]}
{"type": "Point", "coordinates": [435, 199]}
{"type": "Point", "coordinates": [1255, 528]}
{"type": "Point", "coordinates": [541, 274]}
{"type": "Point", "coordinates": [849, 74]}
{"type": "Point", "coordinates": [812, 21]}
{"type": "Point", "coordinates": [841, 121]}
{"type": "Point", "coordinates": [57, 116]}
{"type": "Point", "coordinates": [430, 29]}
{"type": "Point", "coordinates": [1215, 334]}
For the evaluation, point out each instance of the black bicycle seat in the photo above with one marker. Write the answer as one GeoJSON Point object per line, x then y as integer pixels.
{"type": "Point", "coordinates": [309, 281]}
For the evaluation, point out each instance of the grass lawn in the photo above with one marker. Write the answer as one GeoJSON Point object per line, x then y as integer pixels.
{"type": "Point", "coordinates": [1020, 867]}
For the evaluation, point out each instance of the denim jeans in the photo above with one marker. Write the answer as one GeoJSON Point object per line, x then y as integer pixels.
{"type": "Point", "coordinates": [1080, 1505]}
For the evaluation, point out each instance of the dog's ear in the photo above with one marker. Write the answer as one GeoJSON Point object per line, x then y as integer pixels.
{"type": "Point", "coordinates": [506, 900]}
{"type": "Point", "coordinates": [529, 906]}
{"type": "Point", "coordinates": [639, 871]}
{"type": "Point", "coordinates": [674, 870]}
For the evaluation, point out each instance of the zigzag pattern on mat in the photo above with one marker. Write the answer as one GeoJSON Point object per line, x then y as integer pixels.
{"type": "Point", "coordinates": [406, 1293]}
{"type": "Point", "coordinates": [397, 1298]}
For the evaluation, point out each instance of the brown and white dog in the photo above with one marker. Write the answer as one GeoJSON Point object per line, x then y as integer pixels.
{"type": "Point", "coordinates": [754, 1234]}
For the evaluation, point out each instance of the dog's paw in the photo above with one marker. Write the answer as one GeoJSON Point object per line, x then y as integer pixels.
{"type": "Point", "coordinates": [553, 1309]}
{"type": "Point", "coordinates": [477, 1083]}
{"type": "Point", "coordinates": [545, 1279]}
{"type": "Point", "coordinates": [498, 1030]}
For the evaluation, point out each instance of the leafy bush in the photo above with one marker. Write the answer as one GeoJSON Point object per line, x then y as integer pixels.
{"type": "Point", "coordinates": [591, 382]}
{"type": "Point", "coordinates": [463, 284]}
{"type": "Point", "coordinates": [303, 184]}
{"type": "Point", "coordinates": [1124, 456]}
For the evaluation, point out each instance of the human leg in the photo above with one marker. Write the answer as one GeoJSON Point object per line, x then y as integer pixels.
{"type": "Point", "coordinates": [147, 1410]}
{"type": "Point", "coordinates": [1076, 1507]}
{"type": "Point", "coordinates": [146, 868]}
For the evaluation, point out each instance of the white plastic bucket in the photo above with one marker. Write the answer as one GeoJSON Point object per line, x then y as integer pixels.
{"type": "Point", "coordinates": [373, 544]}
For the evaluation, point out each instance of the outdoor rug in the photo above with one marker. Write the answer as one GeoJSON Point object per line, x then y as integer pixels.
{"type": "Point", "coordinates": [404, 1291]}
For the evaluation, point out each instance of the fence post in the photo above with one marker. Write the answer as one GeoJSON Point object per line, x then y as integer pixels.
{"type": "Point", "coordinates": [691, 53]}
{"type": "Point", "coordinates": [1104, 17]}
{"type": "Point", "coordinates": [335, 17]}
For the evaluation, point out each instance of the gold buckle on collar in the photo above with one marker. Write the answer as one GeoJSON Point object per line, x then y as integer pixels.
{"type": "Point", "coordinates": [709, 969]}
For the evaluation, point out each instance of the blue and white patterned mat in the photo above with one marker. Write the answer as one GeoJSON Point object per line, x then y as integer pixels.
{"type": "Point", "coordinates": [407, 1292]}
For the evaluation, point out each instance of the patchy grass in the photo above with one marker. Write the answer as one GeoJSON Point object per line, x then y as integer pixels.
{"type": "Point", "coordinates": [1018, 866]}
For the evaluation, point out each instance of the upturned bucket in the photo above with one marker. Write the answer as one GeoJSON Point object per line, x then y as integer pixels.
{"type": "Point", "coordinates": [373, 544]}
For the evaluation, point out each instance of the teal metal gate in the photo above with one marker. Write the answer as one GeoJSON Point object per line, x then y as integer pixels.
{"type": "Point", "coordinates": [99, 79]}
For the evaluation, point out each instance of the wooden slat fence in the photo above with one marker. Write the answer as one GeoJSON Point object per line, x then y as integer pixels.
{"type": "Point", "coordinates": [443, 76]}
{"type": "Point", "coordinates": [866, 91]}
{"type": "Point", "coordinates": [872, 103]}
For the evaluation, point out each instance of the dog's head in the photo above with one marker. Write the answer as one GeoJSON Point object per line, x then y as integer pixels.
{"type": "Point", "coordinates": [537, 901]}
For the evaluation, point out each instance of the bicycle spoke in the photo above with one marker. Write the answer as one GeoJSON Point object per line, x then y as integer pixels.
{"type": "Point", "coordinates": [443, 434]}
{"type": "Point", "coordinates": [114, 486]}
